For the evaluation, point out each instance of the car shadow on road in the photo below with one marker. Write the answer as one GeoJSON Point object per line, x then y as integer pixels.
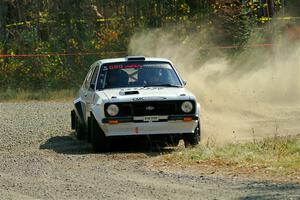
{"type": "Point", "coordinates": [270, 190]}
{"type": "Point", "coordinates": [67, 144]}
{"type": "Point", "coordinates": [70, 145]}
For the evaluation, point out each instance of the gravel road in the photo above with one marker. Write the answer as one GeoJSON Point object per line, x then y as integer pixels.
{"type": "Point", "coordinates": [40, 159]}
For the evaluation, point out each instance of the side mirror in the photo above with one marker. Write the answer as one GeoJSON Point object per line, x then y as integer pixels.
{"type": "Point", "coordinates": [184, 82]}
{"type": "Point", "coordinates": [92, 86]}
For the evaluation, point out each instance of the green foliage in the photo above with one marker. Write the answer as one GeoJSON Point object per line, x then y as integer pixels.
{"type": "Point", "coordinates": [277, 154]}
{"type": "Point", "coordinates": [102, 26]}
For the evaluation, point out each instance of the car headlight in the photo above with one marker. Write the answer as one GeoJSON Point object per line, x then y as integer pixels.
{"type": "Point", "coordinates": [187, 106]}
{"type": "Point", "coordinates": [112, 110]}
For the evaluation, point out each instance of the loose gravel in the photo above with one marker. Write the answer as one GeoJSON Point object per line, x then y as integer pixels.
{"type": "Point", "coordinates": [41, 159]}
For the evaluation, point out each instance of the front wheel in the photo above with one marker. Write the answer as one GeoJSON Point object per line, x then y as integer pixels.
{"type": "Point", "coordinates": [172, 141]}
{"type": "Point", "coordinates": [79, 129]}
{"type": "Point", "coordinates": [89, 135]}
{"type": "Point", "coordinates": [99, 141]}
{"type": "Point", "coordinates": [192, 139]}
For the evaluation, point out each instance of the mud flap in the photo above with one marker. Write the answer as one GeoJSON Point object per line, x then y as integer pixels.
{"type": "Point", "coordinates": [89, 129]}
{"type": "Point", "coordinates": [79, 112]}
{"type": "Point", "coordinates": [73, 116]}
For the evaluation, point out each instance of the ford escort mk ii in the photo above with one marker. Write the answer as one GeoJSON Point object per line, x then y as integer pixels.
{"type": "Point", "coordinates": [135, 97]}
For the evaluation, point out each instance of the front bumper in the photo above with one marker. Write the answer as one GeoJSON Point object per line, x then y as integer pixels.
{"type": "Point", "coordinates": [139, 119]}
{"type": "Point", "coordinates": [130, 126]}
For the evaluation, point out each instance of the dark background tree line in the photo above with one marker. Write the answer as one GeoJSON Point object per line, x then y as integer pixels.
{"type": "Point", "coordinates": [105, 27]}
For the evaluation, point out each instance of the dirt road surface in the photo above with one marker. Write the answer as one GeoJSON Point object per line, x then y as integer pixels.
{"type": "Point", "coordinates": [40, 159]}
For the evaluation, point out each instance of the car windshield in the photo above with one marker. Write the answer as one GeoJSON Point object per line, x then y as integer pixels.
{"type": "Point", "coordinates": [143, 74]}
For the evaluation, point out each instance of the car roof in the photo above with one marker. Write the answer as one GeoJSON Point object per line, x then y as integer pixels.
{"type": "Point", "coordinates": [124, 59]}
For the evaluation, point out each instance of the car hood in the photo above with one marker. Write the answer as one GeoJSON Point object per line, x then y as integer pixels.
{"type": "Point", "coordinates": [146, 94]}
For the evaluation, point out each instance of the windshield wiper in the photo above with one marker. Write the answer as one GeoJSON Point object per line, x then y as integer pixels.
{"type": "Point", "coordinates": [162, 85]}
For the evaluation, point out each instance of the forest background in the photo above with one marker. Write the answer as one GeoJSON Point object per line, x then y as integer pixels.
{"type": "Point", "coordinates": [33, 32]}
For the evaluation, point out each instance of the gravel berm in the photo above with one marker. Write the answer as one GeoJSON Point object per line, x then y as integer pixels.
{"type": "Point", "coordinates": [41, 159]}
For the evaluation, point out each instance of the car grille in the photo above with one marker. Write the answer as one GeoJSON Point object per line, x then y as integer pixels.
{"type": "Point", "coordinates": [149, 108]}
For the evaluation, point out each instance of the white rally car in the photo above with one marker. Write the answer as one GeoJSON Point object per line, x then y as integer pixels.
{"type": "Point", "coordinates": [135, 97]}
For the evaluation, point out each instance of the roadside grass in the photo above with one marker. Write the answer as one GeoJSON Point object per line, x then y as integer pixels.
{"type": "Point", "coordinates": [277, 154]}
{"type": "Point", "coordinates": [40, 95]}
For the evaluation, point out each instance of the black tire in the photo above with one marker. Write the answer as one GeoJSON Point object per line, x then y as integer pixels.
{"type": "Point", "coordinates": [99, 141]}
{"type": "Point", "coordinates": [193, 139]}
{"type": "Point", "coordinates": [73, 118]}
{"type": "Point", "coordinates": [172, 141]}
{"type": "Point", "coordinates": [79, 129]}
{"type": "Point", "coordinates": [89, 134]}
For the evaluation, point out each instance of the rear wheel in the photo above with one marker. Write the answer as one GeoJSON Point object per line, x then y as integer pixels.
{"type": "Point", "coordinates": [99, 141]}
{"type": "Point", "coordinates": [192, 139]}
{"type": "Point", "coordinates": [79, 129]}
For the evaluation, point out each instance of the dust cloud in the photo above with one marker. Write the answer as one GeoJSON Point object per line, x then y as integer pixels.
{"type": "Point", "coordinates": [246, 96]}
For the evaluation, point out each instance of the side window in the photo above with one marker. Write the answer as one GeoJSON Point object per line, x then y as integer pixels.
{"type": "Point", "coordinates": [88, 78]}
{"type": "Point", "coordinates": [94, 77]}
{"type": "Point", "coordinates": [102, 77]}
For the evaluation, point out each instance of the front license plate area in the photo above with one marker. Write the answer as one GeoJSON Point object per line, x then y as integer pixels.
{"type": "Point", "coordinates": [151, 118]}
